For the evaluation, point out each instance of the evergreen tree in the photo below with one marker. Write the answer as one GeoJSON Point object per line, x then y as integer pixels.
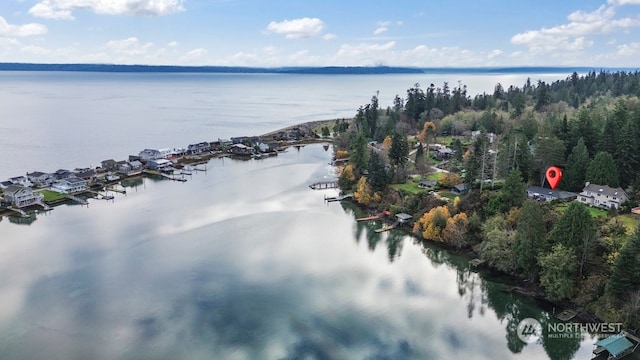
{"type": "Point", "coordinates": [558, 272]}
{"type": "Point", "coordinates": [574, 175]}
{"type": "Point", "coordinates": [628, 155]}
{"type": "Point", "coordinates": [358, 153]}
{"type": "Point", "coordinates": [514, 189]}
{"type": "Point", "coordinates": [398, 154]}
{"type": "Point", "coordinates": [530, 238]}
{"type": "Point", "coordinates": [576, 230]}
{"type": "Point", "coordinates": [625, 275]}
{"type": "Point", "coordinates": [602, 170]}
{"type": "Point", "coordinates": [377, 177]}
{"type": "Point", "coordinates": [548, 151]}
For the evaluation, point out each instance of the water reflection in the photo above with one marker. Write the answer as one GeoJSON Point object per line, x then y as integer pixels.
{"type": "Point", "coordinates": [245, 262]}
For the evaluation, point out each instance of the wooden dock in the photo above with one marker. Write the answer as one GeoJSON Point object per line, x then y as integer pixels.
{"type": "Point", "coordinates": [79, 200]}
{"type": "Point", "coordinates": [338, 198]}
{"type": "Point", "coordinates": [388, 227]}
{"type": "Point", "coordinates": [321, 185]}
{"type": "Point", "coordinates": [374, 217]}
{"type": "Point", "coordinates": [166, 176]}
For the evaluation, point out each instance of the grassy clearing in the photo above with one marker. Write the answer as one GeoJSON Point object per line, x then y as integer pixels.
{"type": "Point", "coordinates": [408, 188]}
{"type": "Point", "coordinates": [51, 195]}
{"type": "Point", "coordinates": [434, 176]}
{"type": "Point", "coordinates": [593, 211]}
{"type": "Point", "coordinates": [447, 194]}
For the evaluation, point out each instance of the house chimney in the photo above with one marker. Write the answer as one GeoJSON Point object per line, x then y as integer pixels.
{"type": "Point", "coordinates": [587, 184]}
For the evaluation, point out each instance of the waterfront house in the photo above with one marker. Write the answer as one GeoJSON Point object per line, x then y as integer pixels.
{"type": "Point", "coordinates": [263, 147]}
{"type": "Point", "coordinates": [198, 148]}
{"type": "Point", "coordinates": [21, 180]}
{"type": "Point", "coordinates": [150, 154]}
{"type": "Point", "coordinates": [5, 184]}
{"type": "Point", "coordinates": [21, 196]}
{"type": "Point", "coordinates": [130, 168]}
{"type": "Point", "coordinates": [602, 196]}
{"type": "Point", "coordinates": [109, 165]}
{"type": "Point", "coordinates": [89, 175]}
{"type": "Point", "coordinates": [70, 185]}
{"type": "Point", "coordinates": [40, 179]}
{"type": "Point", "coordinates": [240, 150]}
{"type": "Point", "coordinates": [544, 194]}
{"type": "Point", "coordinates": [62, 174]}
{"type": "Point", "coordinates": [247, 140]}
{"type": "Point", "coordinates": [159, 164]}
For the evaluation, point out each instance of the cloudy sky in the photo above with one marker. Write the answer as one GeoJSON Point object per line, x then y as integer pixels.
{"type": "Point", "coordinates": [426, 33]}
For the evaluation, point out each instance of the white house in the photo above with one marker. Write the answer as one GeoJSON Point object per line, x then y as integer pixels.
{"type": "Point", "coordinates": [602, 196]}
{"type": "Point", "coordinates": [40, 179]}
{"type": "Point", "coordinates": [21, 196]}
{"type": "Point", "coordinates": [70, 185]}
{"type": "Point", "coordinates": [21, 180]}
{"type": "Point", "coordinates": [159, 164]}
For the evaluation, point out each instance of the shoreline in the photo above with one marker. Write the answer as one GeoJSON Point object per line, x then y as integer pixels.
{"type": "Point", "coordinates": [98, 182]}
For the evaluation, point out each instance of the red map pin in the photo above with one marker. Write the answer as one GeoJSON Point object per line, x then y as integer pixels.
{"type": "Point", "coordinates": [554, 174]}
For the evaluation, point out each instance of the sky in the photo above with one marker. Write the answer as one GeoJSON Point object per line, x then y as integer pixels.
{"type": "Point", "coordinates": [274, 33]}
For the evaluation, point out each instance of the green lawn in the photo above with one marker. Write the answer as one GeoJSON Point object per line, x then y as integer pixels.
{"type": "Point", "coordinates": [409, 187]}
{"type": "Point", "coordinates": [51, 195]}
{"type": "Point", "coordinates": [595, 212]}
{"type": "Point", "coordinates": [434, 176]}
{"type": "Point", "coordinates": [447, 194]}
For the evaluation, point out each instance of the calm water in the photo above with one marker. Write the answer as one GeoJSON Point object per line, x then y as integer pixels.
{"type": "Point", "coordinates": [240, 262]}
{"type": "Point", "coordinates": [52, 120]}
{"type": "Point", "coordinates": [246, 262]}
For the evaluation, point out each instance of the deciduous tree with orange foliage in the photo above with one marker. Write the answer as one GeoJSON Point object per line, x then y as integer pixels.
{"type": "Point", "coordinates": [364, 195]}
{"type": "Point", "coordinates": [449, 180]}
{"type": "Point", "coordinates": [433, 223]}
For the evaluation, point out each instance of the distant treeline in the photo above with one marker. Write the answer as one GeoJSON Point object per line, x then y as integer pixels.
{"type": "Point", "coordinates": [328, 70]}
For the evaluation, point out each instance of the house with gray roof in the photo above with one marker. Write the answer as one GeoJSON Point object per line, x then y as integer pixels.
{"type": "Point", "coordinates": [545, 194]}
{"type": "Point", "coordinates": [602, 196]}
{"type": "Point", "coordinates": [21, 196]}
{"type": "Point", "coordinates": [41, 179]}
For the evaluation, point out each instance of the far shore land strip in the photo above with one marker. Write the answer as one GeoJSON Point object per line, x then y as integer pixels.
{"type": "Point", "coordinates": [44, 190]}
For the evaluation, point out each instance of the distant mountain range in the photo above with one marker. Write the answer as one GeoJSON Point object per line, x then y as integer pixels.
{"type": "Point", "coordinates": [329, 70]}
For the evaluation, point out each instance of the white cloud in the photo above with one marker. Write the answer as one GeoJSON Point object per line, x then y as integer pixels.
{"type": "Point", "coordinates": [380, 30]}
{"type": "Point", "coordinates": [129, 47]}
{"type": "Point", "coordinates": [46, 11]}
{"type": "Point", "coordinates": [632, 49]}
{"type": "Point", "coordinates": [31, 29]}
{"type": "Point", "coordinates": [329, 36]}
{"type": "Point", "coordinates": [172, 44]}
{"type": "Point", "coordinates": [494, 53]}
{"type": "Point", "coordinates": [297, 28]}
{"type": "Point", "coordinates": [624, 2]}
{"type": "Point", "coordinates": [62, 9]}
{"type": "Point", "coordinates": [572, 36]}
{"type": "Point", "coordinates": [386, 23]}
{"type": "Point", "coordinates": [194, 55]}
{"type": "Point", "coordinates": [270, 50]}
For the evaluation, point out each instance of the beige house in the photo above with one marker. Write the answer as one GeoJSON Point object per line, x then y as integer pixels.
{"type": "Point", "coordinates": [602, 196]}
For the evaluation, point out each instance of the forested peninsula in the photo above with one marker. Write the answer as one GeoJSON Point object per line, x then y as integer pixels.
{"type": "Point", "coordinates": [471, 173]}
